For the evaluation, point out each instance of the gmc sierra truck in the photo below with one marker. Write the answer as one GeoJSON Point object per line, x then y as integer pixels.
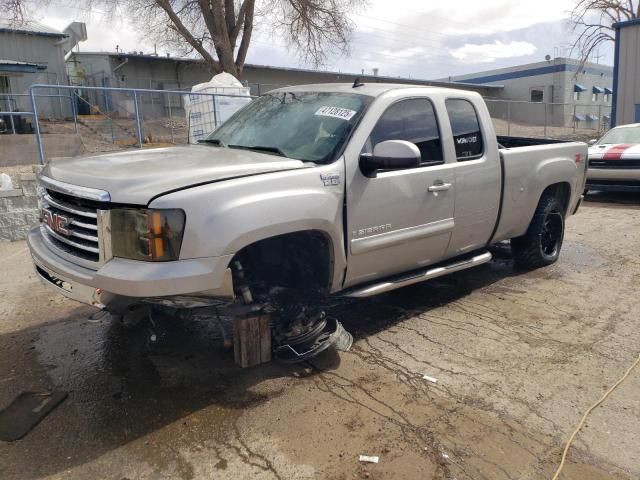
{"type": "Point", "coordinates": [332, 189]}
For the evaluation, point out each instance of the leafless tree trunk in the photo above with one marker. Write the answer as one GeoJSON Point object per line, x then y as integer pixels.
{"type": "Point", "coordinates": [592, 20]}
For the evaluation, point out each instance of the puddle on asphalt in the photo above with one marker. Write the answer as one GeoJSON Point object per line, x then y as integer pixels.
{"type": "Point", "coordinates": [110, 371]}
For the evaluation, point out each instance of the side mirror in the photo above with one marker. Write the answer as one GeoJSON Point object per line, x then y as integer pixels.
{"type": "Point", "coordinates": [390, 155]}
{"type": "Point", "coordinates": [593, 141]}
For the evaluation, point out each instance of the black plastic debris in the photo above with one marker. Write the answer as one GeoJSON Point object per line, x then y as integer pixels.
{"type": "Point", "coordinates": [26, 411]}
{"type": "Point", "coordinates": [325, 333]}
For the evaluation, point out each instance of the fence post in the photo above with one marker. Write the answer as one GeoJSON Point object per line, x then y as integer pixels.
{"type": "Point", "coordinates": [137, 113]}
{"type": "Point", "coordinates": [36, 123]}
{"type": "Point", "coordinates": [151, 96]}
{"type": "Point", "coordinates": [575, 119]}
{"type": "Point", "coordinates": [215, 113]}
{"type": "Point", "coordinates": [599, 117]}
{"type": "Point", "coordinates": [508, 119]}
{"type": "Point", "coordinates": [59, 99]}
{"type": "Point", "coordinates": [545, 119]}
{"type": "Point", "coordinates": [168, 96]}
{"type": "Point", "coordinates": [13, 125]}
{"type": "Point", "coordinates": [73, 110]}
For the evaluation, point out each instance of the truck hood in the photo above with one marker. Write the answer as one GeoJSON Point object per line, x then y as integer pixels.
{"type": "Point", "coordinates": [135, 177]}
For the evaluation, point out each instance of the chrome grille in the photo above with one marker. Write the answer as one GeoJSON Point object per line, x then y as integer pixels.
{"type": "Point", "coordinates": [75, 228]}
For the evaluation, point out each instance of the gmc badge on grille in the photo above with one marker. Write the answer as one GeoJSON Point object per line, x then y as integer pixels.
{"type": "Point", "coordinates": [56, 222]}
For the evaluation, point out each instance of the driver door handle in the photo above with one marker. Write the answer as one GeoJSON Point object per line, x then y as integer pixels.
{"type": "Point", "coordinates": [439, 187]}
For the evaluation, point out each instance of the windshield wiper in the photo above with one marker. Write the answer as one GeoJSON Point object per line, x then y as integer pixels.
{"type": "Point", "coordinates": [260, 148]}
{"type": "Point", "coordinates": [212, 141]}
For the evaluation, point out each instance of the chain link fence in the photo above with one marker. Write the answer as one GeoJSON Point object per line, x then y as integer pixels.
{"type": "Point", "coordinates": [549, 120]}
{"type": "Point", "coordinates": [108, 119]}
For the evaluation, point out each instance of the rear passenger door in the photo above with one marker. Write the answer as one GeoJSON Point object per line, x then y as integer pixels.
{"type": "Point", "coordinates": [477, 174]}
{"type": "Point", "coordinates": [402, 219]}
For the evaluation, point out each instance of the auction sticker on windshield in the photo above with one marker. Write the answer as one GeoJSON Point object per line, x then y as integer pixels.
{"type": "Point", "coordinates": [336, 112]}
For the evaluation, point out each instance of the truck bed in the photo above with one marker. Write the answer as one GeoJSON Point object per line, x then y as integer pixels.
{"type": "Point", "coordinates": [528, 166]}
{"type": "Point", "coordinates": [515, 142]}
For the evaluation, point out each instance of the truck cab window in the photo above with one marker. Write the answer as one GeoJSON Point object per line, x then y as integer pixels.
{"type": "Point", "coordinates": [413, 120]}
{"type": "Point", "coordinates": [465, 126]}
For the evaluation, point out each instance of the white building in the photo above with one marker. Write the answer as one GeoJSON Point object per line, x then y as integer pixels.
{"type": "Point", "coordinates": [567, 92]}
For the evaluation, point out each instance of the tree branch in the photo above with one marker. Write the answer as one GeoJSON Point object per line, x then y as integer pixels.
{"type": "Point", "coordinates": [186, 34]}
{"type": "Point", "coordinates": [247, 21]}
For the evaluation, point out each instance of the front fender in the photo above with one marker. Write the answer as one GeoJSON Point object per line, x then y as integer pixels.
{"type": "Point", "coordinates": [222, 218]}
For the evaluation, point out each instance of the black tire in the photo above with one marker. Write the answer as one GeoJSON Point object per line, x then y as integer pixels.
{"type": "Point", "coordinates": [542, 243]}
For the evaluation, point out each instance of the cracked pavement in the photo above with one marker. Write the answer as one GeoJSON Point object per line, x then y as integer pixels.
{"type": "Point", "coordinates": [518, 357]}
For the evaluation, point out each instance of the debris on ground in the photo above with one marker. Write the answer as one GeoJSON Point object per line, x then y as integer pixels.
{"type": "Point", "coordinates": [299, 344]}
{"type": "Point", "coordinates": [174, 124]}
{"type": "Point", "coordinates": [430, 379]}
{"type": "Point", "coordinates": [369, 458]}
{"type": "Point", "coordinates": [26, 411]}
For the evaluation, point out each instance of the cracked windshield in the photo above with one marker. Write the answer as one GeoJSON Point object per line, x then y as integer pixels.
{"type": "Point", "coordinates": [308, 126]}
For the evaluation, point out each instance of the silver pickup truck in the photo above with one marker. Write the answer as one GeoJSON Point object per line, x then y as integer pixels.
{"type": "Point", "coordinates": [338, 189]}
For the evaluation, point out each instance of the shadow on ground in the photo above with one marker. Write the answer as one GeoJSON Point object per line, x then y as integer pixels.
{"type": "Point", "coordinates": [122, 386]}
{"type": "Point", "coordinates": [611, 199]}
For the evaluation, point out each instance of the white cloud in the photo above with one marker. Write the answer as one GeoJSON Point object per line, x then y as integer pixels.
{"type": "Point", "coordinates": [410, 38]}
{"type": "Point", "coordinates": [466, 16]}
{"type": "Point", "coordinates": [403, 53]}
{"type": "Point", "coordinates": [490, 52]}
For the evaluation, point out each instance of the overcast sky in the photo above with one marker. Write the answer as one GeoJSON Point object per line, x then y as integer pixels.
{"type": "Point", "coordinates": [410, 38]}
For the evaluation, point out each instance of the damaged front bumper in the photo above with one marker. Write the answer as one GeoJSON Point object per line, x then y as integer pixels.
{"type": "Point", "coordinates": [178, 283]}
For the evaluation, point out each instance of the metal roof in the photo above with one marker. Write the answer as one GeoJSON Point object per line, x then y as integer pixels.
{"type": "Point", "coordinates": [365, 77]}
{"type": "Point", "coordinates": [20, 67]}
{"type": "Point", "coordinates": [29, 28]}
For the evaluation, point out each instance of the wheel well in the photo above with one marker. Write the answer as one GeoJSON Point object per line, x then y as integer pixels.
{"type": "Point", "coordinates": [561, 191]}
{"type": "Point", "coordinates": [300, 260]}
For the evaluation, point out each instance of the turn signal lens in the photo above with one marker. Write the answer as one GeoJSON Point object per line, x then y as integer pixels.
{"type": "Point", "coordinates": [147, 234]}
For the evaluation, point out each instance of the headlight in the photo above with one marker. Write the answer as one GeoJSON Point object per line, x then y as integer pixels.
{"type": "Point", "coordinates": [146, 234]}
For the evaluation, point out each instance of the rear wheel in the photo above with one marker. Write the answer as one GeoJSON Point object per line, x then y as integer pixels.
{"type": "Point", "coordinates": [542, 243]}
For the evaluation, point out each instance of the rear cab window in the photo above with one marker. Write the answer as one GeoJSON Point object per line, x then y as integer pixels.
{"type": "Point", "coordinates": [413, 120]}
{"type": "Point", "coordinates": [467, 136]}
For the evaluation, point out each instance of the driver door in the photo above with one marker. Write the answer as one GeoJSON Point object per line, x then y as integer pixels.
{"type": "Point", "coordinates": [401, 220]}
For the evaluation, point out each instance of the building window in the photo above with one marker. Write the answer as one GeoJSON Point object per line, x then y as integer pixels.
{"type": "Point", "coordinates": [606, 98]}
{"type": "Point", "coordinates": [577, 90]}
{"type": "Point", "coordinates": [595, 93]}
{"type": "Point", "coordinates": [537, 95]}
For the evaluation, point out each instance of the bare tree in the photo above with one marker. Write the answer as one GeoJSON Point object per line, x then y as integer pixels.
{"type": "Point", "coordinates": [14, 11]}
{"type": "Point", "coordinates": [592, 21]}
{"type": "Point", "coordinates": [220, 31]}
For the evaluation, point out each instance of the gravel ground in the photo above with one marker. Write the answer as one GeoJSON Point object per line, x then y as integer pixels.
{"type": "Point", "coordinates": [518, 358]}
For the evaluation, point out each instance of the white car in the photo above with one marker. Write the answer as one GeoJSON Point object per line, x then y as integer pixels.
{"type": "Point", "coordinates": [614, 160]}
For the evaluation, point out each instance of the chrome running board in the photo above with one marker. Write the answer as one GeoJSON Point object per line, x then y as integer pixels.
{"type": "Point", "coordinates": [404, 280]}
